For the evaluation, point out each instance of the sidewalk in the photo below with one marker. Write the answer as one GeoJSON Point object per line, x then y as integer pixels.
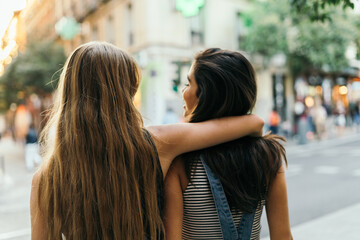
{"type": "Point", "coordinates": [332, 135]}
{"type": "Point", "coordinates": [15, 185]}
{"type": "Point", "coordinates": [342, 224]}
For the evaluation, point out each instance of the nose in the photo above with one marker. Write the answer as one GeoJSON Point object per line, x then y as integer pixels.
{"type": "Point", "coordinates": [183, 89]}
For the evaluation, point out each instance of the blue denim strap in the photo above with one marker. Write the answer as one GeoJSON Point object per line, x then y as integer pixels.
{"type": "Point", "coordinates": [226, 220]}
{"type": "Point", "coordinates": [245, 226]}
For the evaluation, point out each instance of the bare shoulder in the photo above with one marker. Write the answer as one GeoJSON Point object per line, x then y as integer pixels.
{"type": "Point", "coordinates": [167, 150]}
{"type": "Point", "coordinates": [37, 222]}
{"type": "Point", "coordinates": [35, 186]}
{"type": "Point", "coordinates": [158, 134]}
{"type": "Point", "coordinates": [36, 178]}
{"type": "Point", "coordinates": [168, 134]}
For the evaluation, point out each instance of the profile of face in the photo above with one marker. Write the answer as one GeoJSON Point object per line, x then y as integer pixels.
{"type": "Point", "coordinates": [220, 83]}
{"type": "Point", "coordinates": [190, 94]}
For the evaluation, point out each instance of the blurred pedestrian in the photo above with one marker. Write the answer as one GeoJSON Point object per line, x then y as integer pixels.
{"type": "Point", "coordinates": [357, 115]}
{"type": "Point", "coordinates": [319, 115]}
{"type": "Point", "coordinates": [220, 192]}
{"type": "Point", "coordinates": [286, 128]}
{"type": "Point", "coordinates": [2, 125]}
{"type": "Point", "coordinates": [274, 121]}
{"type": "Point", "coordinates": [32, 157]}
{"type": "Point", "coordinates": [340, 119]}
{"type": "Point", "coordinates": [21, 123]}
{"type": "Point", "coordinates": [10, 120]}
{"type": "Point", "coordinates": [102, 176]}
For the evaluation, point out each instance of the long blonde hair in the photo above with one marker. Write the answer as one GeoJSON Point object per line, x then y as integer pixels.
{"type": "Point", "coordinates": [99, 176]}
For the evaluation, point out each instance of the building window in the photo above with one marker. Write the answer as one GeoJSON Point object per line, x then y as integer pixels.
{"type": "Point", "coordinates": [93, 5]}
{"type": "Point", "coordinates": [279, 98]}
{"type": "Point", "coordinates": [130, 25]}
{"type": "Point", "coordinates": [197, 26]}
{"type": "Point", "coordinates": [94, 33]}
{"type": "Point", "coordinates": [82, 6]}
{"type": "Point", "coordinates": [242, 24]}
{"type": "Point", "coordinates": [94, 2]}
{"type": "Point", "coordinates": [110, 33]}
{"type": "Point", "coordinates": [82, 39]}
{"type": "Point", "coordinates": [74, 9]}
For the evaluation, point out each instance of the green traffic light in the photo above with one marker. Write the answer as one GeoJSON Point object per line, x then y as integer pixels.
{"type": "Point", "coordinates": [189, 8]}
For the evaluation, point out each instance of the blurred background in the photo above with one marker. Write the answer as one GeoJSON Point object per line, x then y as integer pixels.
{"type": "Point", "coordinates": [306, 54]}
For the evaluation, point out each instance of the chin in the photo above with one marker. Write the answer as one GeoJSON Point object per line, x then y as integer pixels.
{"type": "Point", "coordinates": [187, 117]}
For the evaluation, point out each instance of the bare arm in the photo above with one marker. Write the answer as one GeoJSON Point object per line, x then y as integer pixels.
{"type": "Point", "coordinates": [175, 139]}
{"type": "Point", "coordinates": [37, 222]}
{"type": "Point", "coordinates": [173, 214]}
{"type": "Point", "coordinates": [277, 209]}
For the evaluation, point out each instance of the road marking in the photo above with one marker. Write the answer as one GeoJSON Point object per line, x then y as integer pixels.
{"type": "Point", "coordinates": [5, 181]}
{"type": "Point", "coordinates": [355, 154]}
{"type": "Point", "coordinates": [327, 170]}
{"type": "Point", "coordinates": [331, 153]}
{"type": "Point", "coordinates": [328, 227]}
{"type": "Point", "coordinates": [14, 234]}
{"type": "Point", "coordinates": [293, 170]}
{"type": "Point", "coordinates": [356, 173]}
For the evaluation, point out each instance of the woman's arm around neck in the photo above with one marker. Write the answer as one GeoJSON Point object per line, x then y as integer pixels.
{"type": "Point", "coordinates": [174, 139]}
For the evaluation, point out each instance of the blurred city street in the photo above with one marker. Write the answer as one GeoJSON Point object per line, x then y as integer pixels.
{"type": "Point", "coordinates": [323, 178]}
{"type": "Point", "coordinates": [305, 53]}
{"type": "Point", "coordinates": [323, 181]}
{"type": "Point", "coordinates": [15, 184]}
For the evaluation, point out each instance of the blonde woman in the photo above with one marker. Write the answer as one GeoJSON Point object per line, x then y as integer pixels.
{"type": "Point", "coordinates": [102, 175]}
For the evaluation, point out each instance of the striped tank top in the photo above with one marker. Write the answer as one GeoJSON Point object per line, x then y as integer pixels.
{"type": "Point", "coordinates": [200, 216]}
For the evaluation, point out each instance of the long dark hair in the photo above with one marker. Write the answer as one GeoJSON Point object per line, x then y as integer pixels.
{"type": "Point", "coordinates": [247, 166]}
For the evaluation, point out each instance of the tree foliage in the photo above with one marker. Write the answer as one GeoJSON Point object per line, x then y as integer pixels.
{"type": "Point", "coordinates": [267, 33]}
{"type": "Point", "coordinates": [34, 71]}
{"type": "Point", "coordinates": [310, 47]}
{"type": "Point", "coordinates": [318, 10]}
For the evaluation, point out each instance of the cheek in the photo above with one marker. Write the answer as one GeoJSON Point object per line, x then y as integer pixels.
{"type": "Point", "coordinates": [191, 100]}
{"type": "Point", "coordinates": [185, 95]}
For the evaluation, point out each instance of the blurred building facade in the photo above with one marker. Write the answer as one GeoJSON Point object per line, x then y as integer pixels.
{"type": "Point", "coordinates": [163, 41]}
{"type": "Point", "coordinates": [39, 20]}
{"type": "Point", "coordinates": [13, 40]}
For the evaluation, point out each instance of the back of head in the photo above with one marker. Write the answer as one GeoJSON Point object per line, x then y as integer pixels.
{"type": "Point", "coordinates": [246, 167]}
{"type": "Point", "coordinates": [226, 84]}
{"type": "Point", "coordinates": [99, 160]}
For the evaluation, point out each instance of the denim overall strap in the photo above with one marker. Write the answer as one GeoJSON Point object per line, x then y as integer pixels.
{"type": "Point", "coordinates": [226, 220]}
{"type": "Point", "coordinates": [245, 226]}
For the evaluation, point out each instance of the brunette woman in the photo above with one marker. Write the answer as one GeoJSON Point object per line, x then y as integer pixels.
{"type": "Point", "coordinates": [219, 192]}
{"type": "Point", "coordinates": [102, 174]}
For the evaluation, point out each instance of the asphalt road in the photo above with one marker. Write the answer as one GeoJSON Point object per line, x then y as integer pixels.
{"type": "Point", "coordinates": [322, 178]}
